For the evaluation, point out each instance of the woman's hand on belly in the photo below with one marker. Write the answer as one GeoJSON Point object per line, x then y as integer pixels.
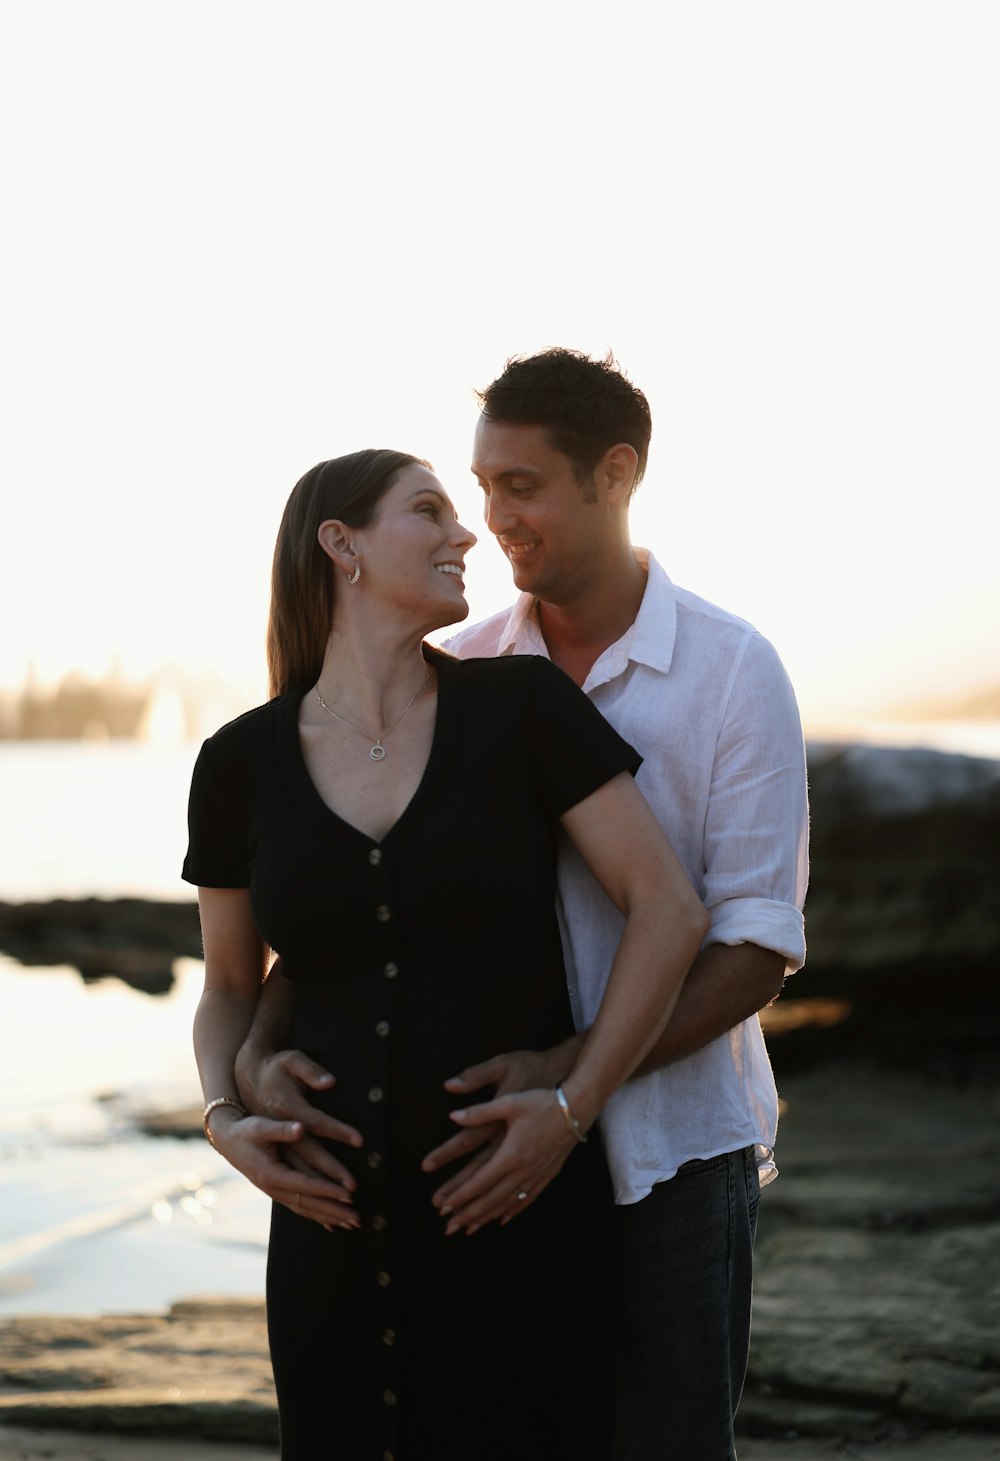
{"type": "Point", "coordinates": [267, 1152]}
{"type": "Point", "coordinates": [516, 1167]}
{"type": "Point", "coordinates": [505, 1075]}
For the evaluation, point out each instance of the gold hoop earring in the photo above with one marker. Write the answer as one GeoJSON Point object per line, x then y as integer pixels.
{"type": "Point", "coordinates": [354, 574]}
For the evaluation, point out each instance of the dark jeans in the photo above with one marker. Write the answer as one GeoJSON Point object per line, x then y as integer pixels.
{"type": "Point", "coordinates": [686, 1253]}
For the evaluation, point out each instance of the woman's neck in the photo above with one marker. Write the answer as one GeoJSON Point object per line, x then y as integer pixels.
{"type": "Point", "coordinates": [372, 674]}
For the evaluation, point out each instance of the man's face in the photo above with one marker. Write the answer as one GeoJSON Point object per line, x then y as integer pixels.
{"type": "Point", "coordinates": [533, 506]}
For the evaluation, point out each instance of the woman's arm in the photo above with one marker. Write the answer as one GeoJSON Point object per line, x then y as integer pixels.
{"type": "Point", "coordinates": [624, 847]}
{"type": "Point", "coordinates": [235, 963]}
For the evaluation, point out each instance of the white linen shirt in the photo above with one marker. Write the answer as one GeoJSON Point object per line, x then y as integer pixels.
{"type": "Point", "coordinates": [705, 701]}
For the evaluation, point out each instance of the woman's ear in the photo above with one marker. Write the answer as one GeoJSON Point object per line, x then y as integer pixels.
{"type": "Point", "coordinates": [334, 537]}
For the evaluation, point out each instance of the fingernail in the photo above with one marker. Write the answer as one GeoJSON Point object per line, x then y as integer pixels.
{"type": "Point", "coordinates": [458, 1115]}
{"type": "Point", "coordinates": [447, 1211]}
{"type": "Point", "coordinates": [473, 1229]}
{"type": "Point", "coordinates": [451, 1229]}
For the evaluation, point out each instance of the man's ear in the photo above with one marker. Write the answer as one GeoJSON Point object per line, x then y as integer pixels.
{"type": "Point", "coordinates": [335, 538]}
{"type": "Point", "coordinates": [615, 472]}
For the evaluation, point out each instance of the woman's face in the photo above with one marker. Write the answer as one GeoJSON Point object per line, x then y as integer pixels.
{"type": "Point", "coordinates": [413, 555]}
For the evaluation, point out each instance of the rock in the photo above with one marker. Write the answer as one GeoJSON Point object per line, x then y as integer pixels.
{"type": "Point", "coordinates": [133, 939]}
{"type": "Point", "coordinates": [905, 853]}
{"type": "Point", "coordinates": [880, 781]}
{"type": "Point", "coordinates": [903, 914]}
{"type": "Point", "coordinates": [876, 1295]}
{"type": "Point", "coordinates": [200, 1370]}
{"type": "Point", "coordinates": [877, 1279]}
{"type": "Point", "coordinates": [888, 1324]}
{"type": "Point", "coordinates": [185, 1122]}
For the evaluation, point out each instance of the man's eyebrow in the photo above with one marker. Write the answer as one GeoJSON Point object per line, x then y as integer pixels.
{"type": "Point", "coordinates": [509, 472]}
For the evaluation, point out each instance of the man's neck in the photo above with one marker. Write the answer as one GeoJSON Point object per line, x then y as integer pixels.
{"type": "Point", "coordinates": [577, 634]}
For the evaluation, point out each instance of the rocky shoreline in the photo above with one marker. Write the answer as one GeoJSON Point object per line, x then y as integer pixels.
{"type": "Point", "coordinates": [877, 1290]}
{"type": "Point", "coordinates": [878, 1273]}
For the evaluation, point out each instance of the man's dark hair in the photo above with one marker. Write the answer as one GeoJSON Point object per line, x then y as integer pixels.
{"type": "Point", "coordinates": [585, 405]}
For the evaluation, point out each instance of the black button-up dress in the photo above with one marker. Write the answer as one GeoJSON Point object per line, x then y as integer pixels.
{"type": "Point", "coordinates": [409, 959]}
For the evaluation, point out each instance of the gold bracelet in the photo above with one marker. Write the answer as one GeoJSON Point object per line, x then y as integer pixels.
{"type": "Point", "coordinates": [214, 1106]}
{"type": "Point", "coordinates": [568, 1116]}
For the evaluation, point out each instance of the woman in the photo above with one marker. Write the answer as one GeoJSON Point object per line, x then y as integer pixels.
{"type": "Point", "coordinates": [387, 823]}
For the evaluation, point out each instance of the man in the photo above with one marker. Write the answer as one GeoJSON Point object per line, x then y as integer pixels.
{"type": "Point", "coordinates": [560, 446]}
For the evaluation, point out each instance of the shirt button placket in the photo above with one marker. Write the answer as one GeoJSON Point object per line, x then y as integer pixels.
{"type": "Point", "coordinates": [381, 1022]}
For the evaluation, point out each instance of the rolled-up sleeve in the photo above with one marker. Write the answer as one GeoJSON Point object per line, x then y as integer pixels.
{"type": "Point", "coordinates": [757, 827]}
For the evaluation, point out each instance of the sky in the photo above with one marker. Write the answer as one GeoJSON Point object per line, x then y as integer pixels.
{"type": "Point", "coordinates": [243, 237]}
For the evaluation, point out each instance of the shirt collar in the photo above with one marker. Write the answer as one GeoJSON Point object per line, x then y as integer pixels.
{"type": "Point", "coordinates": [651, 638]}
{"type": "Point", "coordinates": [648, 641]}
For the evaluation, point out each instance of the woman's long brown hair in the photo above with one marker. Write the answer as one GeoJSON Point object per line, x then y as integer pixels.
{"type": "Point", "coordinates": [350, 489]}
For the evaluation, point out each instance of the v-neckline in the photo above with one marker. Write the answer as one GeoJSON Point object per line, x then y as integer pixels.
{"type": "Point", "coordinates": [306, 791]}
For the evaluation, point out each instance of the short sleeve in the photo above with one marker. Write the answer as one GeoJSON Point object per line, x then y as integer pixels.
{"type": "Point", "coordinates": [575, 750]}
{"type": "Point", "coordinates": [217, 855]}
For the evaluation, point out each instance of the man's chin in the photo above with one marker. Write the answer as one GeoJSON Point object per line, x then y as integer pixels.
{"type": "Point", "coordinates": [525, 578]}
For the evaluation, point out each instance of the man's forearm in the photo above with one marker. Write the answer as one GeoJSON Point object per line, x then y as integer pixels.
{"type": "Point", "coordinates": [273, 1017]}
{"type": "Point", "coordinates": [724, 986]}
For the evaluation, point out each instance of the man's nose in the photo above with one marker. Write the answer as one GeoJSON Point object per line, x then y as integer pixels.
{"type": "Point", "coordinates": [498, 515]}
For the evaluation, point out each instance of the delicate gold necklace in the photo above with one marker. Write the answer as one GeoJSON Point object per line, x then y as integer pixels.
{"type": "Point", "coordinates": [377, 752]}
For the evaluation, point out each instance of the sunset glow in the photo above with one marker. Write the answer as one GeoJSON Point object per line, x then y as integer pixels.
{"type": "Point", "coordinates": [247, 242]}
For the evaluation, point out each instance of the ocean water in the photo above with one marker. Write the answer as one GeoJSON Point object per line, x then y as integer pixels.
{"type": "Point", "coordinates": [81, 819]}
{"type": "Point", "coordinates": [95, 1216]}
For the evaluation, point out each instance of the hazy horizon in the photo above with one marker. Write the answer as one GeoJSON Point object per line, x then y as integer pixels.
{"type": "Point", "coordinates": [247, 241]}
{"type": "Point", "coordinates": [141, 700]}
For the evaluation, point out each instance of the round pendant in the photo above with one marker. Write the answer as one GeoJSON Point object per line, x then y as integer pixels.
{"type": "Point", "coordinates": [377, 752]}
